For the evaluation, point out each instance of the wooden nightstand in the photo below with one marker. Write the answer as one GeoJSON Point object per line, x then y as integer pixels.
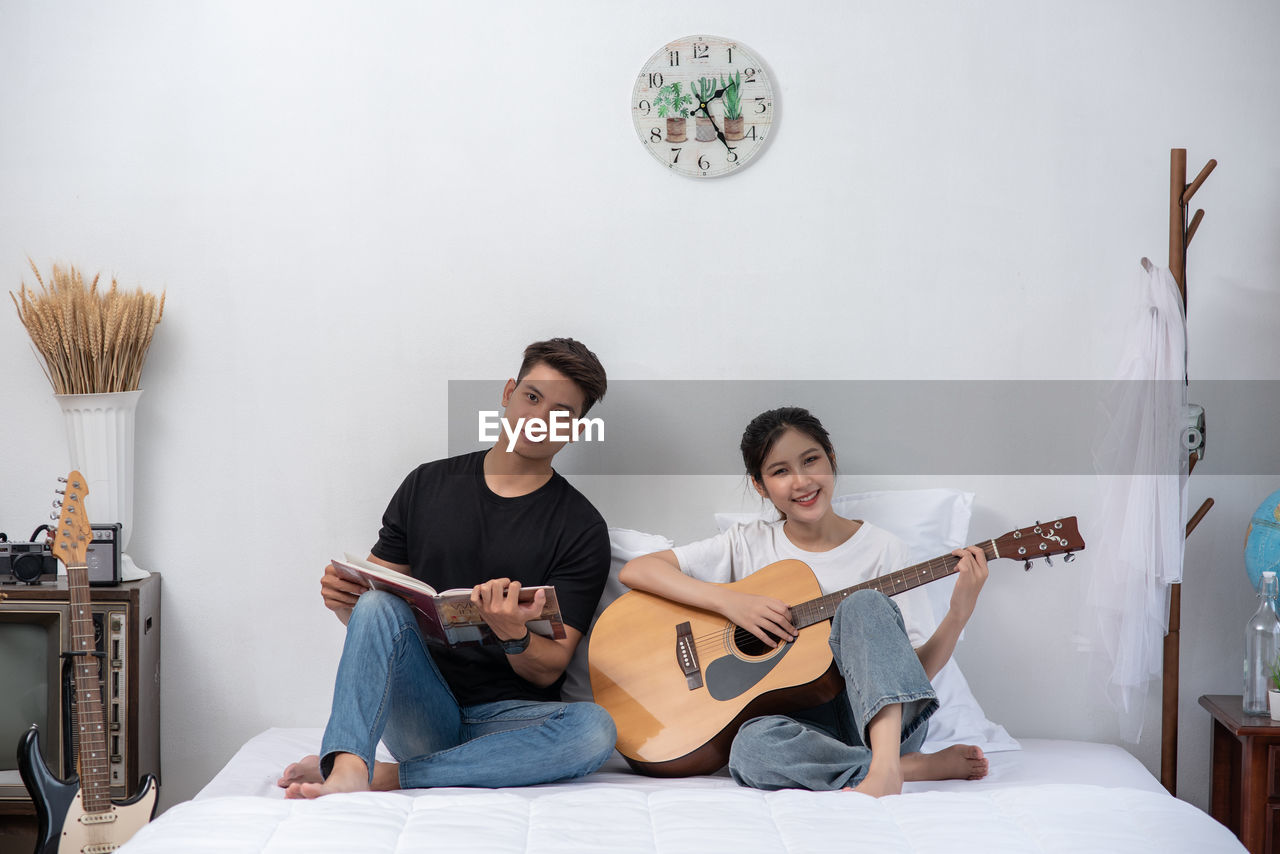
{"type": "Point", "coordinates": [1245, 761]}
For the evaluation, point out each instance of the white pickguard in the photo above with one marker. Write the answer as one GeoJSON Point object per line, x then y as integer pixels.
{"type": "Point", "coordinates": [98, 833]}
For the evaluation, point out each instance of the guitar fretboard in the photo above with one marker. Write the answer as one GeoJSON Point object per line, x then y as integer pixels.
{"type": "Point", "coordinates": [824, 607]}
{"type": "Point", "coordinates": [94, 769]}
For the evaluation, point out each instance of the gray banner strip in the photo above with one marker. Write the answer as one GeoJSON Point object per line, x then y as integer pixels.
{"type": "Point", "coordinates": [901, 427]}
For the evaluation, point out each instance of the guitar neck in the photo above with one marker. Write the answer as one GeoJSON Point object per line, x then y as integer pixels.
{"type": "Point", "coordinates": [824, 607]}
{"type": "Point", "coordinates": [94, 768]}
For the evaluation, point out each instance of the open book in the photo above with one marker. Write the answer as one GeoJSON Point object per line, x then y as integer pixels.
{"type": "Point", "coordinates": [450, 617]}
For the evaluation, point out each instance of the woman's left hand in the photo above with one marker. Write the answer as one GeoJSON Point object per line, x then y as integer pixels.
{"type": "Point", "coordinates": [972, 574]}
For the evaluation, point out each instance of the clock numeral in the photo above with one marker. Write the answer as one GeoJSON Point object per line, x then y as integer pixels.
{"type": "Point", "coordinates": [730, 49]}
{"type": "Point", "coordinates": [676, 157]}
{"type": "Point", "coordinates": [673, 57]}
{"type": "Point", "coordinates": [655, 135]}
{"type": "Point", "coordinates": [750, 74]}
{"type": "Point", "coordinates": [751, 134]}
{"type": "Point", "coordinates": [655, 79]}
{"type": "Point", "coordinates": [703, 162]}
{"type": "Point", "coordinates": [731, 155]}
{"type": "Point", "coordinates": [644, 105]}
{"type": "Point", "coordinates": [701, 51]}
{"type": "Point", "coordinates": [761, 106]}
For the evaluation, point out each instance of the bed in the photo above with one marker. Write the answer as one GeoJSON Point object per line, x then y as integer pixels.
{"type": "Point", "coordinates": [1041, 795]}
{"type": "Point", "coordinates": [1049, 796]}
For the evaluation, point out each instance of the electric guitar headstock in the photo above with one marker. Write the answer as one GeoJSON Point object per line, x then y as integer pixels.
{"type": "Point", "coordinates": [74, 532]}
{"type": "Point", "coordinates": [1059, 537]}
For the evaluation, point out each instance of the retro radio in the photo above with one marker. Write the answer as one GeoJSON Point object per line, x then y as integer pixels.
{"type": "Point", "coordinates": [33, 562]}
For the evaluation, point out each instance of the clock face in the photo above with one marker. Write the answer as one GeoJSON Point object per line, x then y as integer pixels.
{"type": "Point", "coordinates": [703, 106]}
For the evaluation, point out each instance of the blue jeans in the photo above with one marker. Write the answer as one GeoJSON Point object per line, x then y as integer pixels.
{"type": "Point", "coordinates": [826, 747]}
{"type": "Point", "coordinates": [389, 689]}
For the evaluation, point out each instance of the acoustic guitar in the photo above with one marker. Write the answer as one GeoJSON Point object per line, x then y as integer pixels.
{"type": "Point", "coordinates": [680, 681]}
{"type": "Point", "coordinates": [77, 816]}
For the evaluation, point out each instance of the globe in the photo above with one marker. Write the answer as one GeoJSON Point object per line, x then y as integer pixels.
{"type": "Point", "coordinates": [1262, 540]}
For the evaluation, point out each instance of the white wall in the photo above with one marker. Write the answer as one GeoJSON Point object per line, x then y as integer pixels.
{"type": "Point", "coordinates": [350, 204]}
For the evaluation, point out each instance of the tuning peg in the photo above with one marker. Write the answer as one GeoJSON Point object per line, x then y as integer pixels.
{"type": "Point", "coordinates": [1048, 561]}
{"type": "Point", "coordinates": [53, 516]}
{"type": "Point", "coordinates": [1069, 557]}
{"type": "Point", "coordinates": [1026, 566]}
{"type": "Point", "coordinates": [62, 479]}
{"type": "Point", "coordinates": [57, 502]}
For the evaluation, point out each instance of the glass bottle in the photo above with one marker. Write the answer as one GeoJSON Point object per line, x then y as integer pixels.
{"type": "Point", "coordinates": [1260, 647]}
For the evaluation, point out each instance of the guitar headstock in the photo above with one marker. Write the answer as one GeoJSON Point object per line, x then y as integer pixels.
{"type": "Point", "coordinates": [74, 533]}
{"type": "Point", "coordinates": [1059, 537]}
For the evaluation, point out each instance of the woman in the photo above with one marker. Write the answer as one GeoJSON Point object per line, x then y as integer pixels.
{"type": "Point", "coordinates": [868, 738]}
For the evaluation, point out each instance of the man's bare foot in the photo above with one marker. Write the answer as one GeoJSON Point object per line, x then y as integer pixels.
{"type": "Point", "coordinates": [305, 770]}
{"type": "Point", "coordinates": [958, 762]}
{"type": "Point", "coordinates": [349, 774]}
{"type": "Point", "coordinates": [883, 778]}
{"type": "Point", "coordinates": [386, 775]}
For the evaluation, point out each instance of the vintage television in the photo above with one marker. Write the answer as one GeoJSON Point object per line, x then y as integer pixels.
{"type": "Point", "coordinates": [35, 632]}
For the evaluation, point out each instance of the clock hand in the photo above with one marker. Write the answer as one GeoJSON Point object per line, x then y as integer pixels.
{"type": "Point", "coordinates": [719, 134]}
{"type": "Point", "coordinates": [703, 105]}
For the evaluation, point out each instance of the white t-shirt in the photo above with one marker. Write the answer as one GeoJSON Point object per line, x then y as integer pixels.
{"type": "Point", "coordinates": [746, 547]}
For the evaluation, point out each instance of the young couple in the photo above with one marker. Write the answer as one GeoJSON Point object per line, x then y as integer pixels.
{"type": "Point", "coordinates": [502, 519]}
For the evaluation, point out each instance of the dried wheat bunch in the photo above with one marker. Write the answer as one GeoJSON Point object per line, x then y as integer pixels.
{"type": "Point", "coordinates": [89, 341]}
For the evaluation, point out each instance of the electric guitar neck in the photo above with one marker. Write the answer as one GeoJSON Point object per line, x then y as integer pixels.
{"type": "Point", "coordinates": [78, 816]}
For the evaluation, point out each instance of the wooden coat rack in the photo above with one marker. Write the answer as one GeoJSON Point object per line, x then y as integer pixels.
{"type": "Point", "coordinates": [1180, 233]}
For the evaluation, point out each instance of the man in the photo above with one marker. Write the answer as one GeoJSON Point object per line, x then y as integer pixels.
{"type": "Point", "coordinates": [496, 521]}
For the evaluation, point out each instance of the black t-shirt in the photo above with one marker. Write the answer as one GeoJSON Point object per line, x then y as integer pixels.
{"type": "Point", "coordinates": [453, 531]}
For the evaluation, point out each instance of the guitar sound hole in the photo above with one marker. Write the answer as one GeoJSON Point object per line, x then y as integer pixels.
{"type": "Point", "coordinates": [748, 644]}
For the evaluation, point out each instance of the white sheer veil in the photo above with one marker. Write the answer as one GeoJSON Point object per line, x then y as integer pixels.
{"type": "Point", "coordinates": [1141, 462]}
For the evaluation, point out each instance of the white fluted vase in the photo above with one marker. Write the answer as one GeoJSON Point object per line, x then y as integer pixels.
{"type": "Point", "coordinates": [100, 439]}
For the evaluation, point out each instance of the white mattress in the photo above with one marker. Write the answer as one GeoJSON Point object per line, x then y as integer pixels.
{"type": "Point", "coordinates": [1051, 796]}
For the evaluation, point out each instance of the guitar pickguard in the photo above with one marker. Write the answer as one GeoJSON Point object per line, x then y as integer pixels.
{"type": "Point", "coordinates": [731, 676]}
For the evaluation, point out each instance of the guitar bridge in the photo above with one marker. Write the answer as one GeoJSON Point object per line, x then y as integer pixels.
{"type": "Point", "coordinates": [687, 656]}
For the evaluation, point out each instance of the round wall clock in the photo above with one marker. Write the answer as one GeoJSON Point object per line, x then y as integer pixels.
{"type": "Point", "coordinates": [703, 106]}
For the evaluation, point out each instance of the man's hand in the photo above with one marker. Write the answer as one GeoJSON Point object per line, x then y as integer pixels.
{"type": "Point", "coordinates": [500, 606]}
{"type": "Point", "coordinates": [340, 593]}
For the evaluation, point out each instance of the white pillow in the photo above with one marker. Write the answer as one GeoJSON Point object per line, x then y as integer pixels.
{"type": "Point", "coordinates": [624, 545]}
{"type": "Point", "coordinates": [959, 719]}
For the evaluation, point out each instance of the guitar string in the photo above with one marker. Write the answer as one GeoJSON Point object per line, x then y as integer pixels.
{"type": "Point", "coordinates": [946, 564]}
{"type": "Point", "coordinates": [914, 576]}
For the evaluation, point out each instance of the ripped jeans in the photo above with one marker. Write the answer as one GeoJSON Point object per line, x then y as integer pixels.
{"type": "Point", "coordinates": [388, 688]}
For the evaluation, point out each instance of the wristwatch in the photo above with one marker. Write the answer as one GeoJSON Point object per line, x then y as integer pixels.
{"type": "Point", "coordinates": [518, 645]}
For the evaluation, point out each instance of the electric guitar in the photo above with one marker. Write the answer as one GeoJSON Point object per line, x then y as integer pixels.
{"type": "Point", "coordinates": [77, 816]}
{"type": "Point", "coordinates": [680, 681]}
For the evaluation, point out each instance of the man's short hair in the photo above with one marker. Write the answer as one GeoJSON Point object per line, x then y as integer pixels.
{"type": "Point", "coordinates": [574, 360]}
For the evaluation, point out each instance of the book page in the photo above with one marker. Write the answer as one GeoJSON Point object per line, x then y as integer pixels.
{"type": "Point", "coordinates": [357, 568]}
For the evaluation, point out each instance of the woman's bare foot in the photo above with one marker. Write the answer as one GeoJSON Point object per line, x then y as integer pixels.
{"type": "Point", "coordinates": [349, 774]}
{"type": "Point", "coordinates": [305, 770]}
{"type": "Point", "coordinates": [883, 778]}
{"type": "Point", "coordinates": [958, 762]}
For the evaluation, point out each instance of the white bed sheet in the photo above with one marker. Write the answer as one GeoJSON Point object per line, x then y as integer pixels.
{"type": "Point", "coordinates": [1051, 796]}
